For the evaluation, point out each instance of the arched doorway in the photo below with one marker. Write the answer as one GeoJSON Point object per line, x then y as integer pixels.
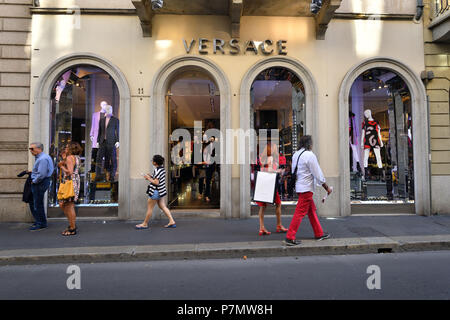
{"type": "Point", "coordinates": [278, 116]}
{"type": "Point", "coordinates": [160, 115]}
{"type": "Point", "coordinates": [193, 105]}
{"type": "Point", "coordinates": [383, 130]}
{"type": "Point", "coordinates": [309, 117]}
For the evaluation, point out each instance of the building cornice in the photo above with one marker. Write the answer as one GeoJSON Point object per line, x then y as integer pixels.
{"type": "Point", "coordinates": [74, 10]}
{"type": "Point", "coordinates": [371, 16]}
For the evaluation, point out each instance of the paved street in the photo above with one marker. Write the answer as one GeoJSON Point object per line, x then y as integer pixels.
{"type": "Point", "coordinates": [413, 275]}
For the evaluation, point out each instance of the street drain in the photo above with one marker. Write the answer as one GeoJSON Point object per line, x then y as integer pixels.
{"type": "Point", "coordinates": [384, 250]}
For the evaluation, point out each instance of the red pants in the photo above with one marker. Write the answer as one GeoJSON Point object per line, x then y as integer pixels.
{"type": "Point", "coordinates": [305, 206]}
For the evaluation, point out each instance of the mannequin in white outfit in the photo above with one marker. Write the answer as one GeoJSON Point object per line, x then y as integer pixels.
{"type": "Point", "coordinates": [95, 123]}
{"type": "Point", "coordinates": [371, 142]}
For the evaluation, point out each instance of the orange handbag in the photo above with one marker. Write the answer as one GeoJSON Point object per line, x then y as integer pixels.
{"type": "Point", "coordinates": [65, 190]}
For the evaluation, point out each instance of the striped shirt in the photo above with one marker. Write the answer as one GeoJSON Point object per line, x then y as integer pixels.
{"type": "Point", "coordinates": [160, 174]}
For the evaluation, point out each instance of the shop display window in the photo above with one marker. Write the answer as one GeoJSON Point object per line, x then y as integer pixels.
{"type": "Point", "coordinates": [278, 103]}
{"type": "Point", "coordinates": [85, 109]}
{"type": "Point", "coordinates": [380, 139]}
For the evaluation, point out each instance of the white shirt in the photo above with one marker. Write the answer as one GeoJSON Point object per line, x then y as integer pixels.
{"type": "Point", "coordinates": [308, 171]}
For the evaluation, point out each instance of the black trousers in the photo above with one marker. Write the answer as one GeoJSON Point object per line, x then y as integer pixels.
{"type": "Point", "coordinates": [209, 173]}
{"type": "Point", "coordinates": [108, 153]}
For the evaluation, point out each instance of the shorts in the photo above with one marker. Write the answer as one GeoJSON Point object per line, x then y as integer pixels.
{"type": "Point", "coordinates": [264, 204]}
{"type": "Point", "coordinates": [155, 195]}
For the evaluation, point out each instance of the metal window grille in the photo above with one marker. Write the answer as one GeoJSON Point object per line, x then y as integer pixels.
{"type": "Point", "coordinates": [441, 7]}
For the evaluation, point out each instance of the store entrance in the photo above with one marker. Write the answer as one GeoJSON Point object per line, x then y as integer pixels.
{"type": "Point", "coordinates": [277, 103]}
{"type": "Point", "coordinates": [193, 105]}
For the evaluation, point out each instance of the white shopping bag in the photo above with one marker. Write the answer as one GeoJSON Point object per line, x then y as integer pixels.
{"type": "Point", "coordinates": [265, 187]}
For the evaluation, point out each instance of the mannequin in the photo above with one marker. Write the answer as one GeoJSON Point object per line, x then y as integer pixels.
{"type": "Point", "coordinates": [61, 85]}
{"type": "Point", "coordinates": [60, 89]}
{"type": "Point", "coordinates": [96, 116]}
{"type": "Point", "coordinates": [95, 123]}
{"type": "Point", "coordinates": [108, 140]}
{"type": "Point", "coordinates": [371, 138]}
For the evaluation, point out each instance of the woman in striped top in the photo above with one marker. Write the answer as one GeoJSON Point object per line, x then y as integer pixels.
{"type": "Point", "coordinates": [156, 191]}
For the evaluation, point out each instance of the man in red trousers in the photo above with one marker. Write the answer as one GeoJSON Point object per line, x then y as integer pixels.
{"type": "Point", "coordinates": [307, 169]}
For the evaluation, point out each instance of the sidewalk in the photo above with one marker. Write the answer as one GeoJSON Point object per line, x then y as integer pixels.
{"type": "Point", "coordinates": [200, 238]}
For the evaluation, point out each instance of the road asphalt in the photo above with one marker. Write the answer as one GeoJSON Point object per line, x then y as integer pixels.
{"type": "Point", "coordinates": [206, 238]}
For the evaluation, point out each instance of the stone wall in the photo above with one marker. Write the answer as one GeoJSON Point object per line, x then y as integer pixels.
{"type": "Point", "coordinates": [437, 59]}
{"type": "Point", "coordinates": [15, 55]}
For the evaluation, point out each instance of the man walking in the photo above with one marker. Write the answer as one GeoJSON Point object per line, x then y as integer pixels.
{"type": "Point", "coordinates": [40, 181]}
{"type": "Point", "coordinates": [308, 172]}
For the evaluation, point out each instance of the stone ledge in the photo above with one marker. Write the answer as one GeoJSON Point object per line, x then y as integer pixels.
{"type": "Point", "coordinates": [223, 250]}
{"type": "Point", "coordinates": [13, 146]}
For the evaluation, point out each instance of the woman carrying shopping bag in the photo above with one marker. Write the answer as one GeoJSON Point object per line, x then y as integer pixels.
{"type": "Point", "coordinates": [269, 163]}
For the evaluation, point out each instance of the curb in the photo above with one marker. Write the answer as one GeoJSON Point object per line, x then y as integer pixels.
{"type": "Point", "coordinates": [231, 250]}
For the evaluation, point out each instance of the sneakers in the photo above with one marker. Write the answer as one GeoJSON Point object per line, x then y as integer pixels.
{"type": "Point", "coordinates": [325, 236]}
{"type": "Point", "coordinates": [36, 227]}
{"type": "Point", "coordinates": [291, 243]}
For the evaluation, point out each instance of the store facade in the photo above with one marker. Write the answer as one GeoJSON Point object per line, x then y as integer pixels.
{"type": "Point", "coordinates": [192, 76]}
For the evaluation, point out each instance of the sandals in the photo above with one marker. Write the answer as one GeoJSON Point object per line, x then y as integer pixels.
{"type": "Point", "coordinates": [280, 229]}
{"type": "Point", "coordinates": [69, 232]}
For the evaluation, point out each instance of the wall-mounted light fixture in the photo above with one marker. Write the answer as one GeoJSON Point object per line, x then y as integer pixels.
{"type": "Point", "coordinates": [315, 6]}
{"type": "Point", "coordinates": [157, 4]}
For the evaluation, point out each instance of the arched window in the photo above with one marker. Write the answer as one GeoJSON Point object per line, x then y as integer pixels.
{"type": "Point", "coordinates": [85, 109]}
{"type": "Point", "coordinates": [380, 138]}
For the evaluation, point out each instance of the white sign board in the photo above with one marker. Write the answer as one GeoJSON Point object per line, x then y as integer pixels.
{"type": "Point", "coordinates": [265, 187]}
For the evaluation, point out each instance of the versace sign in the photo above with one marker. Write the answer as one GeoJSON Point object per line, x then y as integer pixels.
{"type": "Point", "coordinates": [234, 47]}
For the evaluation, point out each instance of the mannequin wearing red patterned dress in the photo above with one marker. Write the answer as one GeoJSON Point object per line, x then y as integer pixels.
{"type": "Point", "coordinates": [371, 139]}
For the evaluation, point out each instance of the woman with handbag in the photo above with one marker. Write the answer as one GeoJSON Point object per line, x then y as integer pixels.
{"type": "Point", "coordinates": [69, 188]}
{"type": "Point", "coordinates": [269, 163]}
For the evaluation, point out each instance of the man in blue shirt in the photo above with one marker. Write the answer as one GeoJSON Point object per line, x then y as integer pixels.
{"type": "Point", "coordinates": [40, 176]}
